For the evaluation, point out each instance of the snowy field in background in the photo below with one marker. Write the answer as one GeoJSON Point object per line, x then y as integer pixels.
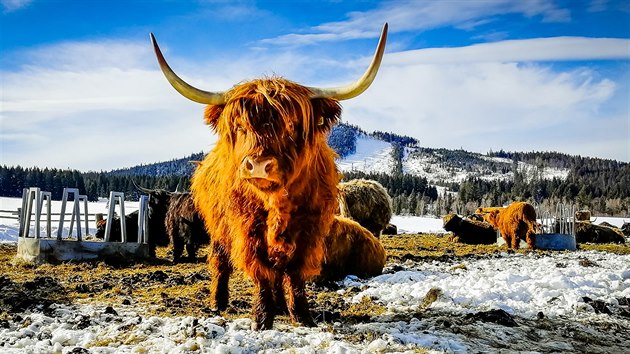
{"type": "Point", "coordinates": [405, 224]}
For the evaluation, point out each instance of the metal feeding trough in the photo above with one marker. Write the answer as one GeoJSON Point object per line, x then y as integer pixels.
{"type": "Point", "coordinates": [557, 230]}
{"type": "Point", "coordinates": [38, 249]}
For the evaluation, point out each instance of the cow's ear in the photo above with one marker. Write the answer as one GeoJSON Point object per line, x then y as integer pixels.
{"type": "Point", "coordinates": [326, 113]}
{"type": "Point", "coordinates": [211, 115]}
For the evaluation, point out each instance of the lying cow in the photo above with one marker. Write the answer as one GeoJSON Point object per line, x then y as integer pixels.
{"type": "Point", "coordinates": [469, 231]}
{"type": "Point", "coordinates": [350, 249]}
{"type": "Point", "coordinates": [115, 234]}
{"type": "Point", "coordinates": [366, 202]}
{"type": "Point", "coordinates": [515, 222]}
{"type": "Point", "coordinates": [586, 232]}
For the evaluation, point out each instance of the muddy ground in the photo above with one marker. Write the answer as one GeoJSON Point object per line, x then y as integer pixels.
{"type": "Point", "coordinates": [161, 288]}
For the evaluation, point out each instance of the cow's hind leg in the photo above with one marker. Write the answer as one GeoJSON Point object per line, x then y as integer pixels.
{"type": "Point", "coordinates": [220, 269]}
{"type": "Point", "coordinates": [264, 306]}
{"type": "Point", "coordinates": [191, 249]}
{"type": "Point", "coordinates": [297, 301]}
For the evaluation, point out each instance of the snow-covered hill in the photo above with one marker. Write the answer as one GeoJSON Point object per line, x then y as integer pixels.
{"type": "Point", "coordinates": [438, 166]}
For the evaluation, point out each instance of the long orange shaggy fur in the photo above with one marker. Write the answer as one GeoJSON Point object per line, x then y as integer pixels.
{"type": "Point", "coordinates": [351, 249]}
{"type": "Point", "coordinates": [272, 228]}
{"type": "Point", "coordinates": [515, 222]}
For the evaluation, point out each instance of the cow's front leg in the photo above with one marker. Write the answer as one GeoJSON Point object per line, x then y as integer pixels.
{"type": "Point", "coordinates": [279, 298]}
{"type": "Point", "coordinates": [298, 302]}
{"type": "Point", "coordinates": [516, 242]}
{"type": "Point", "coordinates": [220, 270]}
{"type": "Point", "coordinates": [264, 307]}
{"type": "Point", "coordinates": [280, 247]}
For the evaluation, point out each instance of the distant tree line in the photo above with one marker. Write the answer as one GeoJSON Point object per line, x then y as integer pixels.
{"type": "Point", "coordinates": [93, 184]}
{"type": "Point", "coordinates": [603, 186]}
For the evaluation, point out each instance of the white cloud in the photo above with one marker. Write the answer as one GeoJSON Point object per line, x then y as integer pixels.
{"type": "Point", "coordinates": [482, 106]}
{"type": "Point", "coordinates": [538, 49]}
{"type": "Point", "coordinates": [410, 15]}
{"type": "Point", "coordinates": [14, 5]}
{"type": "Point", "coordinates": [68, 108]}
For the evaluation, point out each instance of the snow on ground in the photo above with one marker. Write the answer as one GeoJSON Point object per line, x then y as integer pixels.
{"type": "Point", "coordinates": [555, 285]}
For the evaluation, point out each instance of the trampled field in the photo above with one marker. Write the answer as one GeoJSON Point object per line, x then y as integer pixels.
{"type": "Point", "coordinates": [433, 296]}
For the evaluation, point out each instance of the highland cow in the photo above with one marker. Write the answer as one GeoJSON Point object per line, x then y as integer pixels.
{"type": "Point", "coordinates": [515, 222]}
{"type": "Point", "coordinates": [586, 232]}
{"type": "Point", "coordinates": [350, 249]}
{"type": "Point", "coordinates": [469, 231]}
{"type": "Point", "coordinates": [267, 191]}
{"type": "Point", "coordinates": [390, 229]}
{"type": "Point", "coordinates": [173, 218]}
{"type": "Point", "coordinates": [115, 234]}
{"type": "Point", "coordinates": [185, 227]}
{"type": "Point", "coordinates": [366, 202]}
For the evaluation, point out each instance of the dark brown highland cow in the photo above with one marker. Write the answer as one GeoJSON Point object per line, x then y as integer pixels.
{"type": "Point", "coordinates": [115, 234]}
{"type": "Point", "coordinates": [267, 191]}
{"type": "Point", "coordinates": [173, 218]}
{"type": "Point", "coordinates": [469, 231]}
{"type": "Point", "coordinates": [366, 202]}
{"type": "Point", "coordinates": [515, 222]}
{"type": "Point", "coordinates": [184, 227]}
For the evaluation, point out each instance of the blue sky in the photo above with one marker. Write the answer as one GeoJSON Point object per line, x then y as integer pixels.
{"type": "Point", "coordinates": [81, 88]}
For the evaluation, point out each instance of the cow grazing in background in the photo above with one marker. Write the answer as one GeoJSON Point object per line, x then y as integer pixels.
{"type": "Point", "coordinates": [366, 202]}
{"type": "Point", "coordinates": [173, 219]}
{"type": "Point", "coordinates": [350, 249]}
{"type": "Point", "coordinates": [515, 222]}
{"type": "Point", "coordinates": [390, 229]}
{"type": "Point", "coordinates": [115, 234]}
{"type": "Point", "coordinates": [267, 191]}
{"type": "Point", "coordinates": [469, 231]}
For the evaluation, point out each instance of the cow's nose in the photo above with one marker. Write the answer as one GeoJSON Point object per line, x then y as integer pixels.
{"type": "Point", "coordinates": [258, 167]}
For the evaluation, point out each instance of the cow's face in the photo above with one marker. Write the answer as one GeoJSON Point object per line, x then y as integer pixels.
{"type": "Point", "coordinates": [158, 202]}
{"type": "Point", "coordinates": [491, 217]}
{"type": "Point", "coordinates": [272, 128]}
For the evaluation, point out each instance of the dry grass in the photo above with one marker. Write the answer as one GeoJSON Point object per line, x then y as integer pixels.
{"type": "Point", "coordinates": [161, 288]}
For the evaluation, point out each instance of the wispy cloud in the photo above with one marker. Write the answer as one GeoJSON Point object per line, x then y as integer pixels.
{"type": "Point", "coordinates": [538, 49]}
{"type": "Point", "coordinates": [410, 15]}
{"type": "Point", "coordinates": [14, 5]}
{"type": "Point", "coordinates": [485, 98]}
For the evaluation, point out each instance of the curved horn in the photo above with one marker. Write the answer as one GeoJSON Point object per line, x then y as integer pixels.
{"type": "Point", "coordinates": [356, 88]}
{"type": "Point", "coordinates": [142, 189]}
{"type": "Point", "coordinates": [188, 91]}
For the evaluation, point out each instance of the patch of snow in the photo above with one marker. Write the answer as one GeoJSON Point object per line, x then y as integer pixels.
{"type": "Point", "coordinates": [371, 156]}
